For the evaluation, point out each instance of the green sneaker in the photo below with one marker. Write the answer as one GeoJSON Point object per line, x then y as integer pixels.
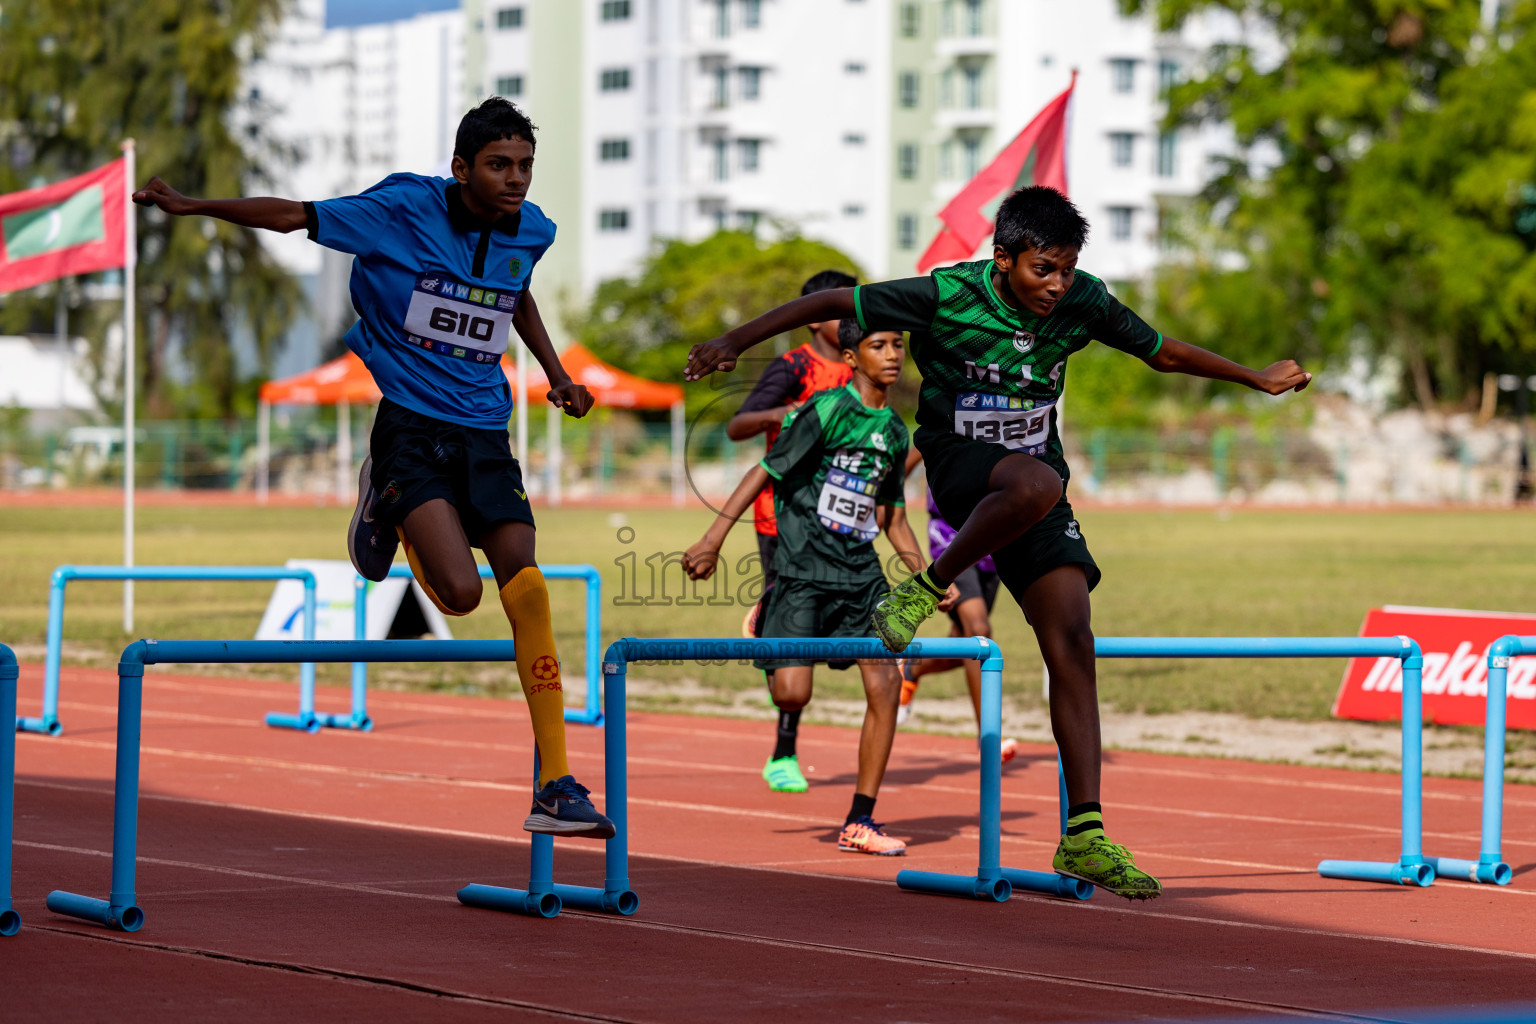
{"type": "Point", "coordinates": [783, 775]}
{"type": "Point", "coordinates": [900, 613]}
{"type": "Point", "coordinates": [1107, 865]}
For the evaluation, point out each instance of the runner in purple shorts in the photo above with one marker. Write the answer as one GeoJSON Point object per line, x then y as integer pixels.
{"type": "Point", "coordinates": [971, 616]}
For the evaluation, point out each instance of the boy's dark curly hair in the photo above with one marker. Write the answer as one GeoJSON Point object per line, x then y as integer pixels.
{"type": "Point", "coordinates": [495, 119]}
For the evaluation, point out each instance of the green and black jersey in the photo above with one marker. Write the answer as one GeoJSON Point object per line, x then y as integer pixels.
{"type": "Point", "coordinates": [992, 372]}
{"type": "Point", "coordinates": [834, 462]}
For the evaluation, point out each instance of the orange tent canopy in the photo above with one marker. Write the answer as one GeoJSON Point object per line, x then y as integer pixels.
{"type": "Point", "coordinates": [609, 385]}
{"type": "Point", "coordinates": [340, 380]}
{"type": "Point", "coordinates": [348, 380]}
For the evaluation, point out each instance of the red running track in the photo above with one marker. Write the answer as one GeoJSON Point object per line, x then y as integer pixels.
{"type": "Point", "coordinates": [303, 878]}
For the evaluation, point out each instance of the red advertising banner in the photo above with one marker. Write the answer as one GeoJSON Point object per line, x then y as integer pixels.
{"type": "Point", "coordinates": [1455, 645]}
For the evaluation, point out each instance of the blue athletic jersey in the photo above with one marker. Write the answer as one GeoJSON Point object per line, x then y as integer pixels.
{"type": "Point", "coordinates": [435, 290]}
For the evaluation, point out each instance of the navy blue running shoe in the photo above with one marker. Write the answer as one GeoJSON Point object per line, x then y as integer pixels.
{"type": "Point", "coordinates": [562, 808]}
{"type": "Point", "coordinates": [371, 546]}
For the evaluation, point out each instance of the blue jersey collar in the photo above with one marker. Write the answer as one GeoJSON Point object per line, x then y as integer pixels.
{"type": "Point", "coordinates": [463, 220]}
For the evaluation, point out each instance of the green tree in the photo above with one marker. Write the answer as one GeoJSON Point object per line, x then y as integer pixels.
{"type": "Point", "coordinates": [690, 292]}
{"type": "Point", "coordinates": [78, 76]}
{"type": "Point", "coordinates": [1393, 211]}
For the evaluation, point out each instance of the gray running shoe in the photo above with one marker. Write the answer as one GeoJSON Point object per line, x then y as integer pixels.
{"type": "Point", "coordinates": [371, 546]}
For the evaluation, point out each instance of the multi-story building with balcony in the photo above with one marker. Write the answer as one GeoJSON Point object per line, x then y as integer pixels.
{"type": "Point", "coordinates": [849, 121]}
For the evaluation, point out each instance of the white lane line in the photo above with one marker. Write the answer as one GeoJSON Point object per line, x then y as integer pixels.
{"type": "Point", "coordinates": [655, 727]}
{"type": "Point", "coordinates": [884, 883]}
{"type": "Point", "coordinates": [459, 781]}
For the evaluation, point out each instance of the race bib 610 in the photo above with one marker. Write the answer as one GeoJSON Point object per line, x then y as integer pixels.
{"type": "Point", "coordinates": [458, 321]}
{"type": "Point", "coordinates": [999, 419]}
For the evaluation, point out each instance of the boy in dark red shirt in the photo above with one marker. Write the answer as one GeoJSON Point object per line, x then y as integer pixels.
{"type": "Point", "coordinates": [787, 382]}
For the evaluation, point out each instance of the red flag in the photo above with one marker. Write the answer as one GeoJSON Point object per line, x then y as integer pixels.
{"type": "Point", "coordinates": [1036, 156]}
{"type": "Point", "coordinates": [69, 227]}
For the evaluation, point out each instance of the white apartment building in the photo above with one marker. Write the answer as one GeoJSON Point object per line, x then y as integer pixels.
{"type": "Point", "coordinates": [849, 121]}
{"type": "Point", "coordinates": [674, 118]}
{"type": "Point", "coordinates": [348, 106]}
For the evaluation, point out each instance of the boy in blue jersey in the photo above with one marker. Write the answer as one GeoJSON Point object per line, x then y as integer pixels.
{"type": "Point", "coordinates": [440, 280]}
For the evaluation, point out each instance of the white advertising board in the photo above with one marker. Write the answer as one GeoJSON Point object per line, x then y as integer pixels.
{"type": "Point", "coordinates": [392, 600]}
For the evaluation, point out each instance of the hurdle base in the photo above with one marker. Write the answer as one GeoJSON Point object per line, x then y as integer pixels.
{"type": "Point", "coordinates": [46, 726]}
{"type": "Point", "coordinates": [516, 901]}
{"type": "Point", "coordinates": [584, 717]}
{"type": "Point", "coordinates": [975, 887]}
{"type": "Point", "coordinates": [10, 922]}
{"type": "Point", "coordinates": [581, 897]}
{"type": "Point", "coordinates": [1489, 869]}
{"type": "Point", "coordinates": [302, 723]}
{"type": "Point", "coordinates": [357, 723]}
{"type": "Point", "coordinates": [126, 917]}
{"type": "Point", "coordinates": [1418, 873]}
{"type": "Point", "coordinates": [1049, 883]}
{"type": "Point", "coordinates": [312, 722]}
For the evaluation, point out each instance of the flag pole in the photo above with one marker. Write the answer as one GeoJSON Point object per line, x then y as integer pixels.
{"type": "Point", "coordinates": [130, 254]}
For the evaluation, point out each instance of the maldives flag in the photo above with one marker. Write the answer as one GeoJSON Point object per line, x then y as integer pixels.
{"type": "Point", "coordinates": [69, 227]}
{"type": "Point", "coordinates": [1036, 156]}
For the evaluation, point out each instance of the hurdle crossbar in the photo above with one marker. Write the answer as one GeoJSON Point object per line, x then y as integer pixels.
{"type": "Point", "coordinates": [542, 898]}
{"type": "Point", "coordinates": [48, 722]}
{"type": "Point", "coordinates": [10, 921]}
{"type": "Point", "coordinates": [589, 714]}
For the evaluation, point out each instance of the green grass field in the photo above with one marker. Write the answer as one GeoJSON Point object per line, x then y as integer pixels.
{"type": "Point", "coordinates": [1165, 572]}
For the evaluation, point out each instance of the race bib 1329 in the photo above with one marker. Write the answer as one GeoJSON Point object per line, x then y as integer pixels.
{"type": "Point", "coordinates": [1000, 419]}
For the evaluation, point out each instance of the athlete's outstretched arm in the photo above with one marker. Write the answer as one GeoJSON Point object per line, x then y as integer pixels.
{"type": "Point", "coordinates": [700, 560]}
{"type": "Point", "coordinates": [1275, 379]}
{"type": "Point", "coordinates": [749, 424]}
{"type": "Point", "coordinates": [721, 353]}
{"type": "Point", "coordinates": [565, 394]}
{"type": "Point", "coordinates": [264, 212]}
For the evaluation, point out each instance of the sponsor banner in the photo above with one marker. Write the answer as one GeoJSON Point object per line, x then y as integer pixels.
{"type": "Point", "coordinates": [1455, 646]}
{"type": "Point", "coordinates": [334, 599]}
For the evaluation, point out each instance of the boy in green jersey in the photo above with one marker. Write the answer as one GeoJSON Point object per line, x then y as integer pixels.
{"type": "Point", "coordinates": [837, 472]}
{"type": "Point", "coordinates": [992, 340]}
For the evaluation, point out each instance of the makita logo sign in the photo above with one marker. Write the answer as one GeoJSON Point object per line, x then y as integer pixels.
{"type": "Point", "coordinates": [1455, 647]}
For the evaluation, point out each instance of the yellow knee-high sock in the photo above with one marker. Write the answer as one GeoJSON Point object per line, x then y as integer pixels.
{"type": "Point", "coordinates": [526, 601]}
{"type": "Point", "coordinates": [421, 577]}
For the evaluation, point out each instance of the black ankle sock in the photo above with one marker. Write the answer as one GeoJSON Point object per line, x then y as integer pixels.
{"type": "Point", "coordinates": [863, 807]}
{"type": "Point", "coordinates": [934, 581]}
{"type": "Point", "coordinates": [1085, 817]}
{"type": "Point", "coordinates": [789, 728]}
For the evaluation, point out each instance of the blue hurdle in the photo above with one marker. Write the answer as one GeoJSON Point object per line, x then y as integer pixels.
{"type": "Point", "coordinates": [1490, 867]}
{"type": "Point", "coordinates": [48, 723]}
{"type": "Point", "coordinates": [992, 881]}
{"type": "Point", "coordinates": [542, 898]}
{"type": "Point", "coordinates": [590, 714]}
{"type": "Point", "coordinates": [10, 921]}
{"type": "Point", "coordinates": [1411, 868]}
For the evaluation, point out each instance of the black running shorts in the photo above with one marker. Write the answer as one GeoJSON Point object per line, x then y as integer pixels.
{"type": "Point", "coordinates": [810, 608]}
{"type": "Point", "coordinates": [974, 583]}
{"type": "Point", "coordinates": [958, 471]}
{"type": "Point", "coordinates": [767, 548]}
{"type": "Point", "coordinates": [417, 458]}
